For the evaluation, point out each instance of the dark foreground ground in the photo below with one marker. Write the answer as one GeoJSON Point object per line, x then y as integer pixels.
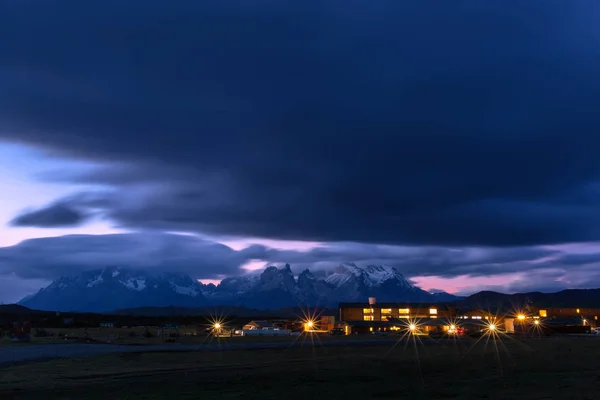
{"type": "Point", "coordinates": [548, 368]}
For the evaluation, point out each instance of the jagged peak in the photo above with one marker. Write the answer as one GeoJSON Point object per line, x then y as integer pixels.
{"type": "Point", "coordinates": [370, 275]}
{"type": "Point", "coordinates": [307, 273]}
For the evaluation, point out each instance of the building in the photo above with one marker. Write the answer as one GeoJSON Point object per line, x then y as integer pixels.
{"type": "Point", "coordinates": [107, 324]}
{"type": "Point", "coordinates": [425, 317]}
{"type": "Point", "coordinates": [382, 312]}
{"type": "Point", "coordinates": [587, 316]}
{"type": "Point", "coordinates": [260, 325]}
{"type": "Point", "coordinates": [372, 316]}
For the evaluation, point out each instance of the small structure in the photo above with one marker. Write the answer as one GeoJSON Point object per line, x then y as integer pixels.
{"type": "Point", "coordinates": [265, 332]}
{"type": "Point", "coordinates": [260, 325]}
{"type": "Point", "coordinates": [567, 325]}
{"type": "Point", "coordinates": [263, 328]}
{"type": "Point", "coordinates": [20, 332]}
{"type": "Point", "coordinates": [107, 324]}
{"type": "Point", "coordinates": [326, 323]}
{"type": "Point", "coordinates": [169, 332]}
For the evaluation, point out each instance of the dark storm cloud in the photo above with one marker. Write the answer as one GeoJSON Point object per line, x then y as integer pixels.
{"type": "Point", "coordinates": [56, 215]}
{"type": "Point", "coordinates": [416, 261]}
{"type": "Point", "coordinates": [467, 123]}
{"type": "Point", "coordinates": [49, 258]}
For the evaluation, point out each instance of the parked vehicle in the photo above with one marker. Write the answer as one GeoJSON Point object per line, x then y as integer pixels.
{"type": "Point", "coordinates": [337, 331]}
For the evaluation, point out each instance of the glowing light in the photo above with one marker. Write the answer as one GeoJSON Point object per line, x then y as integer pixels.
{"type": "Point", "coordinates": [310, 320]}
{"type": "Point", "coordinates": [412, 327]}
{"type": "Point", "coordinates": [452, 327]}
{"type": "Point", "coordinates": [217, 325]}
{"type": "Point", "coordinates": [492, 327]}
{"type": "Point", "coordinates": [521, 317]}
{"type": "Point", "coordinates": [537, 321]}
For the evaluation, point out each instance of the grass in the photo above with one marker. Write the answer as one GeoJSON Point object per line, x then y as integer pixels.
{"type": "Point", "coordinates": [122, 336]}
{"type": "Point", "coordinates": [519, 369]}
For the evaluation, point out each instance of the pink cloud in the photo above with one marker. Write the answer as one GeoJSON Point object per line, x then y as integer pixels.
{"type": "Point", "coordinates": [254, 265]}
{"type": "Point", "coordinates": [239, 244]}
{"type": "Point", "coordinates": [209, 281]}
{"type": "Point", "coordinates": [465, 283]}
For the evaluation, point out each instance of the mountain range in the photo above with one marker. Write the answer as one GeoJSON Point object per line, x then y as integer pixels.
{"type": "Point", "coordinates": [275, 288]}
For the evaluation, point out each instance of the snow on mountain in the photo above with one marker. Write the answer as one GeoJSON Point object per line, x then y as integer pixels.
{"type": "Point", "coordinates": [113, 288]}
{"type": "Point", "coordinates": [370, 276]}
{"type": "Point", "coordinates": [277, 288]}
{"type": "Point", "coordinates": [118, 288]}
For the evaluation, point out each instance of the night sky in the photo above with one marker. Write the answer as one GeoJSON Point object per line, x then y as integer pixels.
{"type": "Point", "coordinates": [458, 141]}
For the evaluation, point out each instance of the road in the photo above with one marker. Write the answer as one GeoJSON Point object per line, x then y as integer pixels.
{"type": "Point", "coordinates": [15, 354]}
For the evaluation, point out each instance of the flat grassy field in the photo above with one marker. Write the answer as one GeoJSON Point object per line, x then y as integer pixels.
{"type": "Point", "coordinates": [548, 368]}
{"type": "Point", "coordinates": [134, 336]}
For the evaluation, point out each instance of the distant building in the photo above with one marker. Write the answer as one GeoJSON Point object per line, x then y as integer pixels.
{"type": "Point", "coordinates": [107, 325]}
{"type": "Point", "coordinates": [586, 316]}
{"type": "Point", "coordinates": [261, 325]}
{"type": "Point", "coordinates": [372, 316]}
{"type": "Point", "coordinates": [424, 317]}
{"type": "Point", "coordinates": [382, 312]}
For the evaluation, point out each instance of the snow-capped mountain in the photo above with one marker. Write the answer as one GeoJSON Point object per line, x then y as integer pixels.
{"type": "Point", "coordinates": [350, 282]}
{"type": "Point", "coordinates": [277, 288]}
{"type": "Point", "coordinates": [113, 288]}
{"type": "Point", "coordinates": [118, 288]}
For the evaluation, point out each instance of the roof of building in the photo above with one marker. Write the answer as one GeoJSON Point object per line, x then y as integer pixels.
{"type": "Point", "coordinates": [262, 324]}
{"type": "Point", "coordinates": [395, 305]}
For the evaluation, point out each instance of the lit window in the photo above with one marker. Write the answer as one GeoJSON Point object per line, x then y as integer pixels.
{"type": "Point", "coordinates": [578, 311]}
{"type": "Point", "coordinates": [371, 329]}
{"type": "Point", "coordinates": [386, 314]}
{"type": "Point", "coordinates": [369, 318]}
{"type": "Point", "coordinates": [433, 311]}
{"type": "Point", "coordinates": [367, 310]}
{"type": "Point", "coordinates": [404, 316]}
{"type": "Point", "coordinates": [596, 318]}
{"type": "Point", "coordinates": [543, 313]}
{"type": "Point", "coordinates": [404, 311]}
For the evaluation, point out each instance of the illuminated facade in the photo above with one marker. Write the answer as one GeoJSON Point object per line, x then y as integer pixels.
{"type": "Point", "coordinates": [383, 312]}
